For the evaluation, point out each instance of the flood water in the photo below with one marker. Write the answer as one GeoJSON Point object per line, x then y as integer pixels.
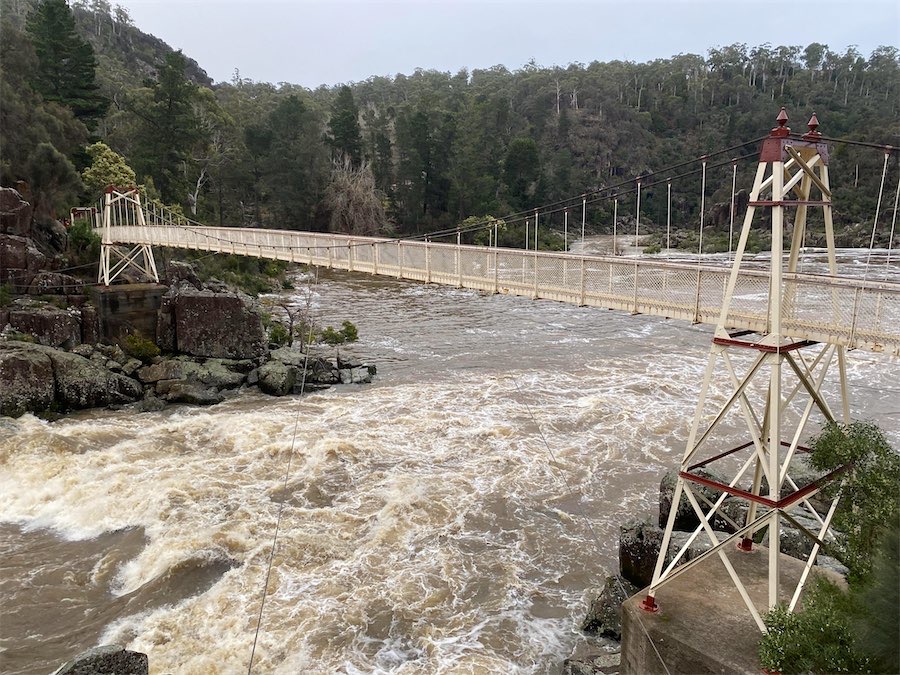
{"type": "Point", "coordinates": [448, 518]}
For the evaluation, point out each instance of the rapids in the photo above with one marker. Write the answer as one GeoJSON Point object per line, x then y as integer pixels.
{"type": "Point", "coordinates": [448, 518]}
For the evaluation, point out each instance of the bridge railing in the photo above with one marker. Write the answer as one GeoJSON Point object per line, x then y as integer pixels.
{"type": "Point", "coordinates": [852, 312]}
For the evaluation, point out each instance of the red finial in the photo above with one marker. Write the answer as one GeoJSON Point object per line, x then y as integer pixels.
{"type": "Point", "coordinates": [813, 124]}
{"type": "Point", "coordinates": [781, 129]}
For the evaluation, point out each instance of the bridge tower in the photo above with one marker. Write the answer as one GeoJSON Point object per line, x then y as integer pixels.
{"type": "Point", "coordinates": [122, 208]}
{"type": "Point", "coordinates": [765, 385]}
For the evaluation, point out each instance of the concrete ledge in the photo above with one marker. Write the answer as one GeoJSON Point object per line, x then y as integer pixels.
{"type": "Point", "coordinates": [703, 625]}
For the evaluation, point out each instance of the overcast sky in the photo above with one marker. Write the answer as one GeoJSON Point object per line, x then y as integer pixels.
{"type": "Point", "coordinates": [313, 42]}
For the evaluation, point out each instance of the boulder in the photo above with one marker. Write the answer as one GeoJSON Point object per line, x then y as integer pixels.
{"type": "Point", "coordinates": [50, 325]}
{"type": "Point", "coordinates": [639, 544]}
{"type": "Point", "coordinates": [194, 393]}
{"type": "Point", "coordinates": [289, 356]}
{"type": "Point", "coordinates": [593, 664]}
{"type": "Point", "coordinates": [27, 377]}
{"type": "Point", "coordinates": [215, 374]}
{"type": "Point", "coordinates": [212, 325]}
{"type": "Point", "coordinates": [83, 383]}
{"type": "Point", "coordinates": [20, 261]}
{"type": "Point", "coordinates": [53, 283]}
{"type": "Point", "coordinates": [319, 372]}
{"type": "Point", "coordinates": [182, 273]}
{"type": "Point", "coordinates": [15, 213]}
{"type": "Point", "coordinates": [50, 236]}
{"type": "Point", "coordinates": [106, 660]}
{"type": "Point", "coordinates": [276, 378]}
{"type": "Point", "coordinates": [604, 615]}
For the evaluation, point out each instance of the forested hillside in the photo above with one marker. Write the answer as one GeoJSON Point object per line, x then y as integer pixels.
{"type": "Point", "coordinates": [419, 152]}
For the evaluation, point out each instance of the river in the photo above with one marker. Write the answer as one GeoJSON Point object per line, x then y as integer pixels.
{"type": "Point", "coordinates": [448, 518]}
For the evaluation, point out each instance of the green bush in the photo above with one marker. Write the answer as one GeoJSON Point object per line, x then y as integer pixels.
{"type": "Point", "coordinates": [279, 335]}
{"type": "Point", "coordinates": [817, 640]}
{"type": "Point", "coordinates": [348, 333]}
{"type": "Point", "coordinates": [140, 347]}
{"type": "Point", "coordinates": [5, 294]}
{"type": "Point", "coordinates": [653, 249]}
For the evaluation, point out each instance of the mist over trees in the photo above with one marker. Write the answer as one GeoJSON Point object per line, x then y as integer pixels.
{"type": "Point", "coordinates": [422, 151]}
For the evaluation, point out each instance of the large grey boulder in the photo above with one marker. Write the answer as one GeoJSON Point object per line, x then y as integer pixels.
{"type": "Point", "coordinates": [106, 660]}
{"type": "Point", "coordinates": [193, 393]}
{"type": "Point", "coordinates": [212, 325]}
{"type": "Point", "coordinates": [54, 283]}
{"type": "Point", "coordinates": [276, 378]}
{"type": "Point", "coordinates": [49, 325]}
{"type": "Point", "coordinates": [27, 380]}
{"type": "Point", "coordinates": [84, 383]}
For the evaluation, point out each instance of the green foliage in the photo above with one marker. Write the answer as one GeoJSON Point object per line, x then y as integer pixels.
{"type": "Point", "coordinates": [870, 500]}
{"type": "Point", "coordinates": [652, 249]}
{"type": "Point", "coordinates": [876, 628]}
{"type": "Point", "coordinates": [107, 168]}
{"type": "Point", "coordinates": [818, 639]}
{"type": "Point", "coordinates": [169, 129]}
{"type": "Point", "coordinates": [344, 127]}
{"type": "Point", "coordinates": [84, 243]}
{"type": "Point", "coordinates": [66, 63]}
{"type": "Point", "coordinates": [140, 347]}
{"type": "Point", "coordinates": [348, 333]}
{"type": "Point", "coordinates": [6, 292]}
{"type": "Point", "coordinates": [54, 181]}
{"type": "Point", "coordinates": [278, 334]}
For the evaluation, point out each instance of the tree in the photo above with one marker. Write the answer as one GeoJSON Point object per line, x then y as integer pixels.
{"type": "Point", "coordinates": [521, 171]}
{"type": "Point", "coordinates": [107, 168]}
{"type": "Point", "coordinates": [344, 126]}
{"type": "Point", "coordinates": [354, 203]}
{"type": "Point", "coordinates": [55, 182]}
{"type": "Point", "coordinates": [169, 130]}
{"type": "Point", "coordinates": [66, 72]}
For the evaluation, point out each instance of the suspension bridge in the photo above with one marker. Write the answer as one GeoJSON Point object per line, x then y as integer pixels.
{"type": "Point", "coordinates": [853, 312]}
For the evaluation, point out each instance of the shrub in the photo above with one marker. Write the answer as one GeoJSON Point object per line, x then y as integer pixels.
{"type": "Point", "coordinates": [140, 347]}
{"type": "Point", "coordinates": [5, 294]}
{"type": "Point", "coordinates": [652, 249]}
{"type": "Point", "coordinates": [279, 335]}
{"type": "Point", "coordinates": [348, 333]}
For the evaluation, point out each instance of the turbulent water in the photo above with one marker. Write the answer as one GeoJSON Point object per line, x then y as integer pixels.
{"type": "Point", "coordinates": [449, 517]}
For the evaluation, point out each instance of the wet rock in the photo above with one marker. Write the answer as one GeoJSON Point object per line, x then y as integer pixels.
{"type": "Point", "coordinates": [212, 325]}
{"type": "Point", "coordinates": [182, 274]}
{"type": "Point", "coordinates": [322, 372]}
{"type": "Point", "coordinates": [90, 324]}
{"type": "Point", "coordinates": [15, 213]}
{"type": "Point", "coordinates": [82, 383]}
{"type": "Point", "coordinates": [54, 283]}
{"type": "Point", "coordinates": [193, 393]}
{"type": "Point", "coordinates": [214, 374]}
{"type": "Point", "coordinates": [604, 615]}
{"type": "Point", "coordinates": [49, 325]}
{"type": "Point", "coordinates": [289, 356]}
{"type": "Point", "coordinates": [639, 544]}
{"type": "Point", "coordinates": [356, 375]}
{"type": "Point", "coordinates": [150, 403]}
{"type": "Point", "coordinates": [106, 660]}
{"type": "Point", "coordinates": [593, 664]}
{"type": "Point", "coordinates": [168, 369]}
{"type": "Point", "coordinates": [276, 378]}
{"type": "Point", "coordinates": [27, 377]}
{"type": "Point", "coordinates": [253, 377]}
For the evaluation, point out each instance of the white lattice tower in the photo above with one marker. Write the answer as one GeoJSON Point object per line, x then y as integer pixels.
{"type": "Point", "coordinates": [122, 208]}
{"type": "Point", "coordinates": [783, 386]}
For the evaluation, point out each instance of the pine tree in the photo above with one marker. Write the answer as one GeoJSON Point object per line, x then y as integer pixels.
{"type": "Point", "coordinates": [344, 126]}
{"type": "Point", "coordinates": [66, 72]}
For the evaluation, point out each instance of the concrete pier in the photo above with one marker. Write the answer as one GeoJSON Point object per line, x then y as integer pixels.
{"type": "Point", "coordinates": [127, 308]}
{"type": "Point", "coordinates": [703, 625]}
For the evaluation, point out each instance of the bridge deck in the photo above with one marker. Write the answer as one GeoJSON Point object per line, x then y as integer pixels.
{"type": "Point", "coordinates": [839, 310]}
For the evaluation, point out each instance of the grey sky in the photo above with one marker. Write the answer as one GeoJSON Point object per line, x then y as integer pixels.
{"type": "Point", "coordinates": [313, 42]}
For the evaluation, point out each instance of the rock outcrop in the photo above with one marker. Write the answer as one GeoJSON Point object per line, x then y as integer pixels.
{"type": "Point", "coordinates": [106, 660]}
{"type": "Point", "coordinates": [210, 324]}
{"type": "Point", "coordinates": [49, 325]}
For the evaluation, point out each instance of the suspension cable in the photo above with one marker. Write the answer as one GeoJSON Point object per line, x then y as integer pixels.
{"type": "Point", "coordinates": [287, 474]}
{"type": "Point", "coordinates": [887, 156]}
